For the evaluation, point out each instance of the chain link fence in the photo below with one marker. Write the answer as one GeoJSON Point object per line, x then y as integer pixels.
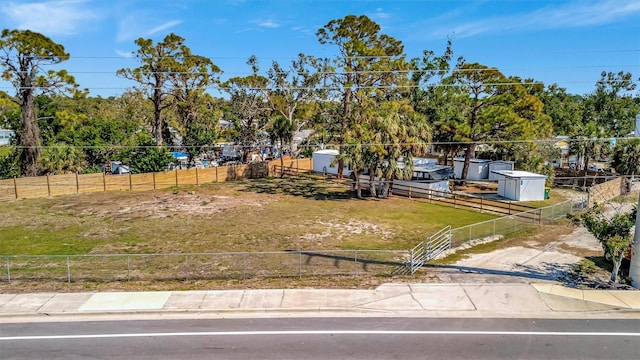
{"type": "Point", "coordinates": [520, 221]}
{"type": "Point", "coordinates": [204, 266]}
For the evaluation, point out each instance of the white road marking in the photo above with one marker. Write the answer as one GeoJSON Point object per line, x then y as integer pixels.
{"type": "Point", "coordinates": [318, 332]}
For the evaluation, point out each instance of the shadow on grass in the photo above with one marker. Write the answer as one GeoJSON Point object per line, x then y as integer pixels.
{"type": "Point", "coordinates": [311, 188]}
{"type": "Point", "coordinates": [309, 255]}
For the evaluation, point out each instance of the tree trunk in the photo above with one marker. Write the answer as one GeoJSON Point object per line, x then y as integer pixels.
{"type": "Point", "coordinates": [30, 136]}
{"type": "Point", "coordinates": [471, 148]}
{"type": "Point", "coordinates": [281, 161]}
{"type": "Point", "coordinates": [157, 114]}
{"type": "Point", "coordinates": [372, 183]}
{"type": "Point", "coordinates": [357, 184]}
{"type": "Point", "coordinates": [616, 268]}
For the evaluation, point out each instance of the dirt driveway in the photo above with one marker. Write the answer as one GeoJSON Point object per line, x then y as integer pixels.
{"type": "Point", "coordinates": [539, 258]}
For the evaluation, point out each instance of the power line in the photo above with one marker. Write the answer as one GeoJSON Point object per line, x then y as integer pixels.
{"type": "Point", "coordinates": [344, 145]}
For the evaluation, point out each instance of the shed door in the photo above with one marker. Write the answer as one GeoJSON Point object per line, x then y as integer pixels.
{"type": "Point", "coordinates": [510, 188]}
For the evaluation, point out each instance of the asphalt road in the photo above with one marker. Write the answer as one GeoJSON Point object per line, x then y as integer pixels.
{"type": "Point", "coordinates": [324, 338]}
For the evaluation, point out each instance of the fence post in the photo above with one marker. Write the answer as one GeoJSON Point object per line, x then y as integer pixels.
{"type": "Point", "coordinates": [68, 270]}
{"type": "Point", "coordinates": [153, 176]}
{"type": "Point", "coordinates": [409, 191]}
{"type": "Point", "coordinates": [411, 262]}
{"type": "Point", "coordinates": [355, 263]}
{"type": "Point", "coordinates": [469, 232]}
{"type": "Point", "coordinates": [494, 227]}
{"type": "Point", "coordinates": [481, 204]}
{"type": "Point", "coordinates": [244, 266]}
{"type": "Point", "coordinates": [540, 216]}
{"type": "Point", "coordinates": [186, 267]}
{"type": "Point", "coordinates": [130, 183]}
{"type": "Point", "coordinates": [77, 184]}
{"type": "Point", "coordinates": [8, 271]}
{"type": "Point", "coordinates": [15, 187]}
{"type": "Point", "coordinates": [48, 187]}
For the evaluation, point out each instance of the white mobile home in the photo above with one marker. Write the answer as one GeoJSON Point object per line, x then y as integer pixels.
{"type": "Point", "coordinates": [520, 185]}
{"type": "Point", "coordinates": [499, 165]}
{"type": "Point", "coordinates": [324, 162]}
{"type": "Point", "coordinates": [478, 168]}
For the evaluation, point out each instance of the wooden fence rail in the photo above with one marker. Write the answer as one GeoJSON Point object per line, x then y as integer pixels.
{"type": "Point", "coordinates": [69, 184]}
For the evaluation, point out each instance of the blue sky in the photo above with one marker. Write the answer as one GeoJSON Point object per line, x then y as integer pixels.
{"type": "Point", "coordinates": [568, 42]}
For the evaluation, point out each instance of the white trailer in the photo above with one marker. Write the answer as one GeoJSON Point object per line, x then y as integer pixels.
{"type": "Point", "coordinates": [324, 161]}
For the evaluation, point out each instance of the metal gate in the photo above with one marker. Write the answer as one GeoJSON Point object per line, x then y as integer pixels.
{"type": "Point", "coordinates": [429, 249]}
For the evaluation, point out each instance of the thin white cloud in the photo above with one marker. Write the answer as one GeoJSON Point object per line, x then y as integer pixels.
{"type": "Point", "coordinates": [380, 15]}
{"type": "Point", "coordinates": [269, 24]}
{"type": "Point", "coordinates": [124, 54]}
{"type": "Point", "coordinates": [162, 27]}
{"type": "Point", "coordinates": [574, 14]}
{"type": "Point", "coordinates": [50, 17]}
{"type": "Point", "coordinates": [132, 27]}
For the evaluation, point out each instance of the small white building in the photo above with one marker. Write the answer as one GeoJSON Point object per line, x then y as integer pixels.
{"type": "Point", "coordinates": [478, 169]}
{"type": "Point", "coordinates": [5, 136]}
{"type": "Point", "coordinates": [324, 162]}
{"type": "Point", "coordinates": [499, 165]}
{"type": "Point", "coordinates": [520, 185]}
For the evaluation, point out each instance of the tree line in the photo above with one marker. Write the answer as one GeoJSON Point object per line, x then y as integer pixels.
{"type": "Point", "coordinates": [379, 107]}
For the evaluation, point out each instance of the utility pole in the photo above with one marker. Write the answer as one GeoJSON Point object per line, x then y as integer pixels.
{"type": "Point", "coordinates": [634, 267]}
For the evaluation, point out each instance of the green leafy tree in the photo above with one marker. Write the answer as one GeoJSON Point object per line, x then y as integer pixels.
{"type": "Point", "coordinates": [369, 67]}
{"type": "Point", "coordinates": [626, 157]}
{"type": "Point", "coordinates": [23, 57]}
{"type": "Point", "coordinates": [566, 110]}
{"type": "Point", "coordinates": [191, 76]}
{"type": "Point", "coordinates": [429, 97]}
{"type": "Point", "coordinates": [613, 233]}
{"type": "Point", "coordinates": [475, 88]}
{"type": "Point", "coordinates": [590, 142]}
{"type": "Point", "coordinates": [146, 156]}
{"type": "Point", "coordinates": [62, 158]}
{"type": "Point", "coordinates": [612, 105]}
{"type": "Point", "coordinates": [292, 90]}
{"type": "Point", "coordinates": [400, 133]}
{"type": "Point", "coordinates": [249, 108]}
{"type": "Point", "coordinates": [154, 75]}
{"type": "Point", "coordinates": [281, 131]}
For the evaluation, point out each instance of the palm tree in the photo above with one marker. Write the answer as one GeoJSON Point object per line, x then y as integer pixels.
{"type": "Point", "coordinates": [626, 157]}
{"type": "Point", "coordinates": [280, 131]}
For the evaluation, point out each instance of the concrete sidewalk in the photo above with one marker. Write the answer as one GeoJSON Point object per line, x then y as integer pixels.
{"type": "Point", "coordinates": [420, 300]}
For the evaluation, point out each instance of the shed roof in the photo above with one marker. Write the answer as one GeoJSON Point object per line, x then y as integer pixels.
{"type": "Point", "coordinates": [327, 152]}
{"type": "Point", "coordinates": [519, 174]}
{"type": "Point", "coordinates": [473, 160]}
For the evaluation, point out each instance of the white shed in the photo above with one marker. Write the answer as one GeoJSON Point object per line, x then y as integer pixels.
{"type": "Point", "coordinates": [478, 168]}
{"type": "Point", "coordinates": [520, 185]}
{"type": "Point", "coordinates": [499, 165]}
{"type": "Point", "coordinates": [323, 162]}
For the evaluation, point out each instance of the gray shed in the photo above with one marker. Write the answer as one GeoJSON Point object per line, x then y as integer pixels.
{"type": "Point", "coordinates": [499, 165]}
{"type": "Point", "coordinates": [478, 168]}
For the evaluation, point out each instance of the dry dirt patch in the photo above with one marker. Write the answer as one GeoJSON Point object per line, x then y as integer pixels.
{"type": "Point", "coordinates": [201, 202]}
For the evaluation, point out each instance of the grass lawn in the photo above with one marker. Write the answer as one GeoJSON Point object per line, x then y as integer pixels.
{"type": "Point", "coordinates": [256, 215]}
